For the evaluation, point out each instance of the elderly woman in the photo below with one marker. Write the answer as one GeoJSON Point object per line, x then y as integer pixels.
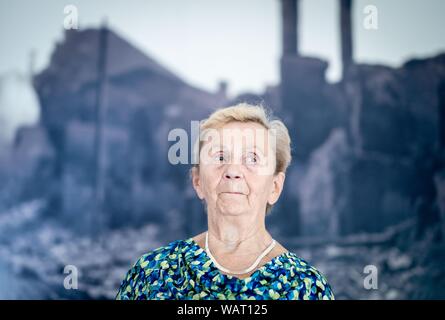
{"type": "Point", "coordinates": [243, 157]}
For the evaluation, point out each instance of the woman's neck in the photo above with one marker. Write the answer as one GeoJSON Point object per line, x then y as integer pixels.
{"type": "Point", "coordinates": [237, 235]}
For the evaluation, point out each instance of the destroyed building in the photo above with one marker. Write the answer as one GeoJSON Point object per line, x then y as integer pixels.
{"type": "Point", "coordinates": [365, 149]}
{"type": "Point", "coordinates": [369, 145]}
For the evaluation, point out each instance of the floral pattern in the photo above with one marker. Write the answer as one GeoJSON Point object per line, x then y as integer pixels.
{"type": "Point", "coordinates": [182, 270]}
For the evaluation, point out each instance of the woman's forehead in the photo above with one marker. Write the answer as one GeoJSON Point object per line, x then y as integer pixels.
{"type": "Point", "coordinates": [248, 135]}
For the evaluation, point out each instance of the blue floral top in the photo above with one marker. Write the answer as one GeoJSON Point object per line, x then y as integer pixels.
{"type": "Point", "coordinates": [183, 270]}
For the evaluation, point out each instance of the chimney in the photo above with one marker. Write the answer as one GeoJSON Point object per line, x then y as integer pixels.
{"type": "Point", "coordinates": [346, 34]}
{"type": "Point", "coordinates": [290, 22]}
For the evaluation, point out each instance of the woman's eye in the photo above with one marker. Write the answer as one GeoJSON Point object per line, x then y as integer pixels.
{"type": "Point", "coordinates": [220, 158]}
{"type": "Point", "coordinates": [251, 159]}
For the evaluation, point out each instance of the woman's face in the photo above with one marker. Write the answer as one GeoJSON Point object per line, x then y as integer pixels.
{"type": "Point", "coordinates": [236, 171]}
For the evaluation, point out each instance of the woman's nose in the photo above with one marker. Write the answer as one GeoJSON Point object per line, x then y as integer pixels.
{"type": "Point", "coordinates": [232, 173]}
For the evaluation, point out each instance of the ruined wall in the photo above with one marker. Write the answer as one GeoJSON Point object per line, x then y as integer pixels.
{"type": "Point", "coordinates": [142, 102]}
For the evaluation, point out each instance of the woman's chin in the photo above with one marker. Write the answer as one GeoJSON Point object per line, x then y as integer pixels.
{"type": "Point", "coordinates": [233, 211]}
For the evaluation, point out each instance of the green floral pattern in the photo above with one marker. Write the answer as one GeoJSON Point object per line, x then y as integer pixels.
{"type": "Point", "coordinates": [182, 270]}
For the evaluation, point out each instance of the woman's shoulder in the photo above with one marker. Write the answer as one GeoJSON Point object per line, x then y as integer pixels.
{"type": "Point", "coordinates": [301, 265]}
{"type": "Point", "coordinates": [146, 268]}
{"type": "Point", "coordinates": [300, 273]}
{"type": "Point", "coordinates": [162, 253]}
{"type": "Point", "coordinates": [165, 253]}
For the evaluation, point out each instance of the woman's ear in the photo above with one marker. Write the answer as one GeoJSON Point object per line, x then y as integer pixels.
{"type": "Point", "coordinates": [278, 183]}
{"type": "Point", "coordinates": [196, 181]}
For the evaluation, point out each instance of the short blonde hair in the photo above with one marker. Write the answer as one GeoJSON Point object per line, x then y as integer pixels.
{"type": "Point", "coordinates": [244, 112]}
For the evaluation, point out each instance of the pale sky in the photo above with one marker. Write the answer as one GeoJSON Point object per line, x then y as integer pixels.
{"type": "Point", "coordinates": [204, 41]}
